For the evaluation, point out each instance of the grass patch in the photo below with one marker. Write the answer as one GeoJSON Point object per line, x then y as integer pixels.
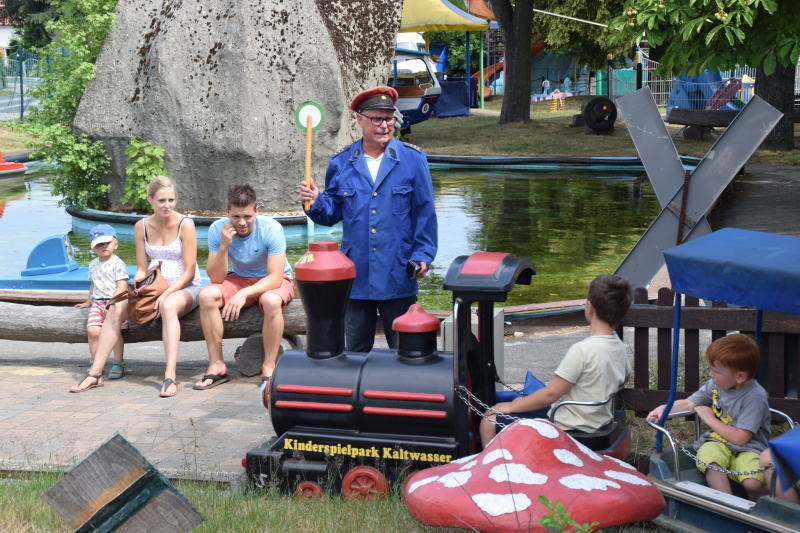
{"type": "Point", "coordinates": [10, 140]}
{"type": "Point", "coordinates": [24, 510]}
{"type": "Point", "coordinates": [272, 511]}
{"type": "Point", "coordinates": [551, 133]}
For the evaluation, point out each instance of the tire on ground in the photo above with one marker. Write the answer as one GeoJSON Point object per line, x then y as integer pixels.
{"type": "Point", "coordinates": [599, 114]}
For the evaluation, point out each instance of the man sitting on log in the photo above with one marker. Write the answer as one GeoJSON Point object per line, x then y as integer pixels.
{"type": "Point", "coordinates": [255, 247]}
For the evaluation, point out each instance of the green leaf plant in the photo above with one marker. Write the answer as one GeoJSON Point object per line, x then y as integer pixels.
{"type": "Point", "coordinates": [67, 65]}
{"type": "Point", "coordinates": [558, 519]}
{"type": "Point", "coordinates": [145, 160]}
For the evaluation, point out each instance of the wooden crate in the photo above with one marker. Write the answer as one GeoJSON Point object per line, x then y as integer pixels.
{"type": "Point", "coordinates": [116, 489]}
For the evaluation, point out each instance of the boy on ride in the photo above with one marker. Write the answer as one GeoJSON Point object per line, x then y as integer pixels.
{"type": "Point", "coordinates": [108, 276]}
{"type": "Point", "coordinates": [735, 407]}
{"type": "Point", "coordinates": [593, 369]}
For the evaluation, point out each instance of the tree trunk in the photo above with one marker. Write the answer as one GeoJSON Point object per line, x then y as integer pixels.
{"type": "Point", "coordinates": [42, 323]}
{"type": "Point", "coordinates": [516, 23]}
{"type": "Point", "coordinates": [778, 90]}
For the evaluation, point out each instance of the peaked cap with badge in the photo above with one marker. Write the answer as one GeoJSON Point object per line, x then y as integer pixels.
{"type": "Point", "coordinates": [380, 97]}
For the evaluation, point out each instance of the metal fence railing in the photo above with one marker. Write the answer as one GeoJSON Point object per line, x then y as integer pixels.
{"type": "Point", "coordinates": [733, 90]}
{"type": "Point", "coordinates": [19, 73]}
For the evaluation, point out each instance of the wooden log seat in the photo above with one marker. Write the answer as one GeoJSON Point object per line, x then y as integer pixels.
{"type": "Point", "coordinates": [45, 323]}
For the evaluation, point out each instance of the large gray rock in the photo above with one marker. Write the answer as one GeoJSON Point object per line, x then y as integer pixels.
{"type": "Point", "coordinates": [216, 82]}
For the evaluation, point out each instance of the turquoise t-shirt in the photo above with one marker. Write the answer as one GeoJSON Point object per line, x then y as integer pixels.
{"type": "Point", "coordinates": [248, 255]}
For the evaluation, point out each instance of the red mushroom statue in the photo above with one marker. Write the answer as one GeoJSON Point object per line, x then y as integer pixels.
{"type": "Point", "coordinates": [498, 489]}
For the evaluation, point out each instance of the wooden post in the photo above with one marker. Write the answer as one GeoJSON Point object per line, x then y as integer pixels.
{"type": "Point", "coordinates": [309, 130]}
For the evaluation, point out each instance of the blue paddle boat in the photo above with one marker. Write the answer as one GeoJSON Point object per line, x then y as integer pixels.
{"type": "Point", "coordinates": [749, 269]}
{"type": "Point", "coordinates": [52, 275]}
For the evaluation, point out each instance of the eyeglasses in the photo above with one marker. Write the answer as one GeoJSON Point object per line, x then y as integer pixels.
{"type": "Point", "coordinates": [377, 121]}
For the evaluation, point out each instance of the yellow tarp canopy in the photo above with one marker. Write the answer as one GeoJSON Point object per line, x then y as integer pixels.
{"type": "Point", "coordinates": [438, 15]}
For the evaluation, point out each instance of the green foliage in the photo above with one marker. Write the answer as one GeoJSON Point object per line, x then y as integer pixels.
{"type": "Point", "coordinates": [456, 50]}
{"type": "Point", "coordinates": [558, 519]}
{"type": "Point", "coordinates": [713, 33]}
{"type": "Point", "coordinates": [81, 27]}
{"type": "Point", "coordinates": [30, 16]}
{"type": "Point", "coordinates": [588, 42]}
{"type": "Point", "coordinates": [145, 160]}
{"type": "Point", "coordinates": [83, 165]}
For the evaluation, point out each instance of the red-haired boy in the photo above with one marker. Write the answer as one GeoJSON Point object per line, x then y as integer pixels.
{"type": "Point", "coordinates": [735, 407]}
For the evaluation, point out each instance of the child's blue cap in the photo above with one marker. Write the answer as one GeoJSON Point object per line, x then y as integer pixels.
{"type": "Point", "coordinates": [100, 234]}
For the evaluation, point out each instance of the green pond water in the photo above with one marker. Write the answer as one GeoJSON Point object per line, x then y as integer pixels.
{"type": "Point", "coordinates": [572, 226]}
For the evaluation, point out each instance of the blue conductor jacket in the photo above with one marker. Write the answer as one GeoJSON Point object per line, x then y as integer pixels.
{"type": "Point", "coordinates": [386, 222]}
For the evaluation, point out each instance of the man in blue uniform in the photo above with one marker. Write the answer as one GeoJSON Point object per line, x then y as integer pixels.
{"type": "Point", "coordinates": [381, 188]}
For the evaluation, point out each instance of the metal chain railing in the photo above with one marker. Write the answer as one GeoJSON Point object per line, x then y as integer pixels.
{"type": "Point", "coordinates": [718, 468]}
{"type": "Point", "coordinates": [466, 395]}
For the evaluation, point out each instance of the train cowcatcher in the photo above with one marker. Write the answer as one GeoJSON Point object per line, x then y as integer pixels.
{"type": "Point", "coordinates": [354, 422]}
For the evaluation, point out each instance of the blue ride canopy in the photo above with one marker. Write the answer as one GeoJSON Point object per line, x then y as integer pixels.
{"type": "Point", "coordinates": [785, 457]}
{"type": "Point", "coordinates": [742, 267]}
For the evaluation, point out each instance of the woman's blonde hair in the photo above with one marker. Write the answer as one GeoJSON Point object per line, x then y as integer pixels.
{"type": "Point", "coordinates": [158, 182]}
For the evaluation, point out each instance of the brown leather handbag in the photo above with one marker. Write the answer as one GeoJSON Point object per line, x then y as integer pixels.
{"type": "Point", "coordinates": [142, 296]}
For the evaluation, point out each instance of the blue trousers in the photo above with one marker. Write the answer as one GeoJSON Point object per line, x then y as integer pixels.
{"type": "Point", "coordinates": [361, 318]}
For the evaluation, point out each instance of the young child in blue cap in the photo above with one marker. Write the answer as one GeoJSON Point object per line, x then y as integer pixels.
{"type": "Point", "coordinates": [108, 276]}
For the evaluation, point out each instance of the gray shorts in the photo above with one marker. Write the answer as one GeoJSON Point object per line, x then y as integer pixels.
{"type": "Point", "coordinates": [194, 291]}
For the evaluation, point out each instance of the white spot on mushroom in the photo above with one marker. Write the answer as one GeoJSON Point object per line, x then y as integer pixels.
{"type": "Point", "coordinates": [545, 429]}
{"type": "Point", "coordinates": [468, 465]}
{"type": "Point", "coordinates": [587, 451]}
{"type": "Point", "coordinates": [567, 457]}
{"type": "Point", "coordinates": [464, 459]}
{"type": "Point", "coordinates": [627, 478]}
{"type": "Point", "coordinates": [455, 479]}
{"type": "Point", "coordinates": [622, 463]}
{"type": "Point", "coordinates": [588, 483]}
{"type": "Point", "coordinates": [497, 504]}
{"type": "Point", "coordinates": [422, 482]}
{"type": "Point", "coordinates": [516, 473]}
{"type": "Point", "coordinates": [494, 455]}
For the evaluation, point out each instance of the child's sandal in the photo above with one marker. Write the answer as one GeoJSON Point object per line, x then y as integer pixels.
{"type": "Point", "coordinates": [117, 370]}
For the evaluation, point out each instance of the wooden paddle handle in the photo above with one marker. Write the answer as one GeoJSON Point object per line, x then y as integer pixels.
{"type": "Point", "coordinates": [309, 129]}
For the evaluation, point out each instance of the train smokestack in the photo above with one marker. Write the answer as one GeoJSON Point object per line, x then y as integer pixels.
{"type": "Point", "coordinates": [416, 333]}
{"type": "Point", "coordinates": [324, 277]}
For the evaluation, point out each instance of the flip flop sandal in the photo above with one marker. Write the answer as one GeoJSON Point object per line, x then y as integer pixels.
{"type": "Point", "coordinates": [165, 385]}
{"type": "Point", "coordinates": [117, 370]}
{"type": "Point", "coordinates": [98, 382]}
{"type": "Point", "coordinates": [216, 379]}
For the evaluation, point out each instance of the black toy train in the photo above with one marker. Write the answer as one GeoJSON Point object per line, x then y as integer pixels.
{"type": "Point", "coordinates": [350, 420]}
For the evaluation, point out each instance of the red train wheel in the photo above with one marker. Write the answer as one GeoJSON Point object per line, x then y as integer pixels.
{"type": "Point", "coordinates": [364, 482]}
{"type": "Point", "coordinates": [308, 490]}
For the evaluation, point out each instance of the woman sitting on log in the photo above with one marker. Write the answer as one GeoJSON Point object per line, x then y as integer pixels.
{"type": "Point", "coordinates": [169, 237]}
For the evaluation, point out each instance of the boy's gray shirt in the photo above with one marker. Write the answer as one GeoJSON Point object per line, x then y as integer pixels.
{"type": "Point", "coordinates": [745, 408]}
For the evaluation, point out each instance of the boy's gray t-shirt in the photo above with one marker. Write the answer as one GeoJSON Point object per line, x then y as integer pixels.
{"type": "Point", "coordinates": [745, 408]}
